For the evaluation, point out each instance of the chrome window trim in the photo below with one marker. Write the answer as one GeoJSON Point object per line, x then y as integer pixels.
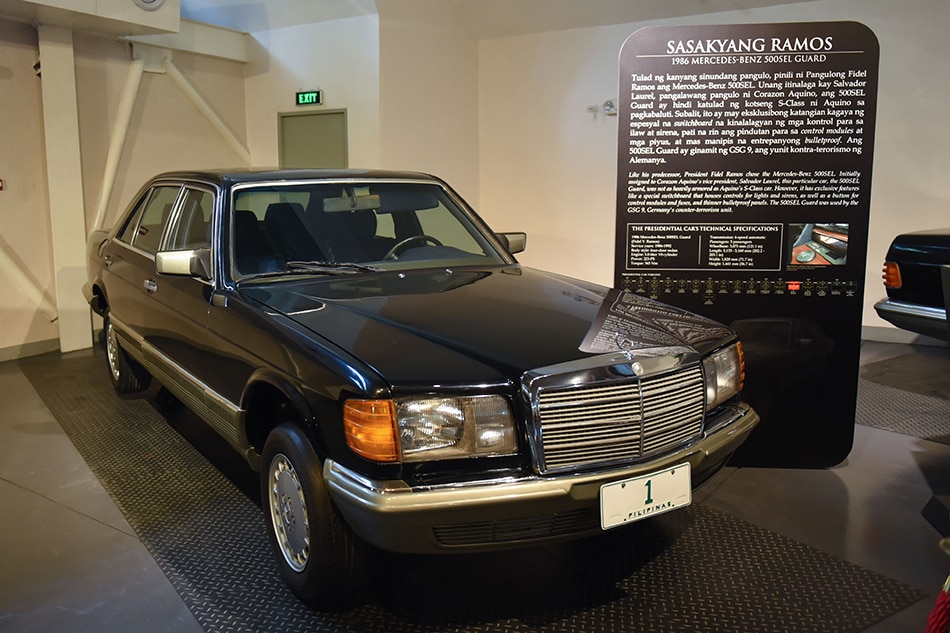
{"type": "Point", "coordinates": [174, 219]}
{"type": "Point", "coordinates": [168, 220]}
{"type": "Point", "coordinates": [484, 231]}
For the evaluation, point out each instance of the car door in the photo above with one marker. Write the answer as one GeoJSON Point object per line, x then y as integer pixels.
{"type": "Point", "coordinates": [236, 354]}
{"type": "Point", "coordinates": [175, 326]}
{"type": "Point", "coordinates": [130, 261]}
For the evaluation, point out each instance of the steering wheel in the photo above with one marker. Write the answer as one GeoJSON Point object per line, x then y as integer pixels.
{"type": "Point", "coordinates": [401, 246]}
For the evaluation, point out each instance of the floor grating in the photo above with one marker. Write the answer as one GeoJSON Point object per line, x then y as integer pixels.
{"type": "Point", "coordinates": [194, 506]}
{"type": "Point", "coordinates": [907, 394]}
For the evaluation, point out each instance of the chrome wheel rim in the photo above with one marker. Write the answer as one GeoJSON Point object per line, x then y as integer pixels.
{"type": "Point", "coordinates": [288, 511]}
{"type": "Point", "coordinates": [112, 351]}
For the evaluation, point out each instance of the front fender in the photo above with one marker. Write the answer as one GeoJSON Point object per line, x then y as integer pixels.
{"type": "Point", "coordinates": [276, 381]}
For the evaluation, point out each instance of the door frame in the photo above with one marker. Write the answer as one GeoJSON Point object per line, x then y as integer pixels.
{"type": "Point", "coordinates": [280, 139]}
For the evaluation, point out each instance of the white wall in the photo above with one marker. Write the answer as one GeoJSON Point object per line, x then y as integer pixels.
{"type": "Point", "coordinates": [429, 92]}
{"type": "Point", "coordinates": [407, 78]}
{"type": "Point", "coordinates": [340, 57]}
{"type": "Point", "coordinates": [549, 168]}
{"type": "Point", "coordinates": [505, 121]}
{"type": "Point", "coordinates": [24, 203]}
{"type": "Point", "coordinates": [167, 132]}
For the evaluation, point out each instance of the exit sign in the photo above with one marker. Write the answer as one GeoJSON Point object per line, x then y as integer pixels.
{"type": "Point", "coordinates": [310, 97]}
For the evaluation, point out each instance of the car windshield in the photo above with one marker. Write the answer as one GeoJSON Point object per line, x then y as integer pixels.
{"type": "Point", "coordinates": [346, 228]}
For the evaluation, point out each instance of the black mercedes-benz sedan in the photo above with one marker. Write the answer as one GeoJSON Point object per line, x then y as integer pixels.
{"type": "Point", "coordinates": [917, 281]}
{"type": "Point", "coordinates": [398, 379]}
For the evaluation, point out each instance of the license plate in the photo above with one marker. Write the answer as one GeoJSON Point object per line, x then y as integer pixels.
{"type": "Point", "coordinates": [646, 496]}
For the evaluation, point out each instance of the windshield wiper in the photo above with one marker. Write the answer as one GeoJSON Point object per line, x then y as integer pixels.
{"type": "Point", "coordinates": [315, 268]}
{"type": "Point", "coordinates": [333, 268]}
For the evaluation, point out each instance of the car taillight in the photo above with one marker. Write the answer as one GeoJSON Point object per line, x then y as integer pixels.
{"type": "Point", "coordinates": [892, 275]}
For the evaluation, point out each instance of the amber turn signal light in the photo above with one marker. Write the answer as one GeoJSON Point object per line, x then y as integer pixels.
{"type": "Point", "coordinates": [892, 275]}
{"type": "Point", "coordinates": [369, 425]}
{"type": "Point", "coordinates": [741, 365]}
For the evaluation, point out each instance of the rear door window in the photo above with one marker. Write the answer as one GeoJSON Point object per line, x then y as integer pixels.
{"type": "Point", "coordinates": [144, 231]}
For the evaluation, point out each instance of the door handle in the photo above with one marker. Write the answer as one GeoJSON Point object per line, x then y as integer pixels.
{"type": "Point", "coordinates": [150, 285]}
{"type": "Point", "coordinates": [107, 260]}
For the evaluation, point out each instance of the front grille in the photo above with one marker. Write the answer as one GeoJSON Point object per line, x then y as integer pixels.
{"type": "Point", "coordinates": [614, 422]}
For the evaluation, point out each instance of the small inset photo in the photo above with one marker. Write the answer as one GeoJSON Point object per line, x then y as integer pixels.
{"type": "Point", "coordinates": [818, 244]}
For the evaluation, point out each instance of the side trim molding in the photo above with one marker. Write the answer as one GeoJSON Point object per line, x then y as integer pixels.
{"type": "Point", "coordinates": [224, 416]}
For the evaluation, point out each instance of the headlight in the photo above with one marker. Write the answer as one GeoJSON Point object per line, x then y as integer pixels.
{"type": "Point", "coordinates": [421, 429]}
{"type": "Point", "coordinates": [725, 372]}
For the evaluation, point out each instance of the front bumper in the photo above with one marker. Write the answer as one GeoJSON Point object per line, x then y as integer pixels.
{"type": "Point", "coordinates": [497, 514]}
{"type": "Point", "coordinates": [926, 320]}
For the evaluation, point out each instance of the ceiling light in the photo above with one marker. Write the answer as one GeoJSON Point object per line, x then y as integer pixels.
{"type": "Point", "coordinates": [149, 5]}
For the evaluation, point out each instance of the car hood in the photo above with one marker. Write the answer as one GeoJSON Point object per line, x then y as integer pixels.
{"type": "Point", "coordinates": [474, 327]}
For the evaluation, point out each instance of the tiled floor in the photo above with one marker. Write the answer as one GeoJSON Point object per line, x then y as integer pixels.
{"type": "Point", "coordinates": [70, 562]}
{"type": "Point", "coordinates": [68, 559]}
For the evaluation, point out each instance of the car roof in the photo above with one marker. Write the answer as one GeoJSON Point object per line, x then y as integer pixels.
{"type": "Point", "coordinates": [234, 176]}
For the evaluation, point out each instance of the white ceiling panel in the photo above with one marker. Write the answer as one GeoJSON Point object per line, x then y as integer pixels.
{"type": "Point", "coordinates": [488, 19]}
{"type": "Point", "coordinates": [262, 15]}
{"type": "Point", "coordinates": [506, 18]}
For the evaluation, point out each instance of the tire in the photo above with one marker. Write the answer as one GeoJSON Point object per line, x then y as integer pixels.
{"type": "Point", "coordinates": [318, 555]}
{"type": "Point", "coordinates": [127, 375]}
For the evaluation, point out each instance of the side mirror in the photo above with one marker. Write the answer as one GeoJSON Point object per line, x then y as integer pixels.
{"type": "Point", "coordinates": [514, 242]}
{"type": "Point", "coordinates": [195, 263]}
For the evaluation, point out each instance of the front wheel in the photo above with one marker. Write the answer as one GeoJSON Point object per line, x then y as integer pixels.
{"type": "Point", "coordinates": [321, 559]}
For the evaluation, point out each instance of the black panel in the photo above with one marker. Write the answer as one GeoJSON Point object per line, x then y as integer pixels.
{"type": "Point", "coordinates": [744, 183]}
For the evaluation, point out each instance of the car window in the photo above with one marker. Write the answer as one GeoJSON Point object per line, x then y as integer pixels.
{"type": "Point", "coordinates": [394, 225]}
{"type": "Point", "coordinates": [258, 201]}
{"type": "Point", "coordinates": [147, 235]}
{"type": "Point", "coordinates": [192, 228]}
{"type": "Point", "coordinates": [385, 227]}
{"type": "Point", "coordinates": [445, 227]}
{"type": "Point", "coordinates": [127, 231]}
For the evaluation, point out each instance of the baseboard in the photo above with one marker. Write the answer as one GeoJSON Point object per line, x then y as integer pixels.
{"type": "Point", "coordinates": [29, 349]}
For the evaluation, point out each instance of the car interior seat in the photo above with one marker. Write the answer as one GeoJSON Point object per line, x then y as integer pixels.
{"type": "Point", "coordinates": [253, 250]}
{"type": "Point", "coordinates": [286, 229]}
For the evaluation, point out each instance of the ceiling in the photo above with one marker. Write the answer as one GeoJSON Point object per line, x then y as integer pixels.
{"type": "Point", "coordinates": [505, 18]}
{"type": "Point", "coordinates": [488, 18]}
{"type": "Point", "coordinates": [106, 17]}
{"type": "Point", "coordinates": [262, 15]}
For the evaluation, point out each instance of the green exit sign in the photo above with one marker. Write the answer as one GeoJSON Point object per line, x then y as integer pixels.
{"type": "Point", "coordinates": [310, 97]}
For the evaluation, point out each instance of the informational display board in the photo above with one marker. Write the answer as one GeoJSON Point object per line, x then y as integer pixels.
{"type": "Point", "coordinates": [743, 192]}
